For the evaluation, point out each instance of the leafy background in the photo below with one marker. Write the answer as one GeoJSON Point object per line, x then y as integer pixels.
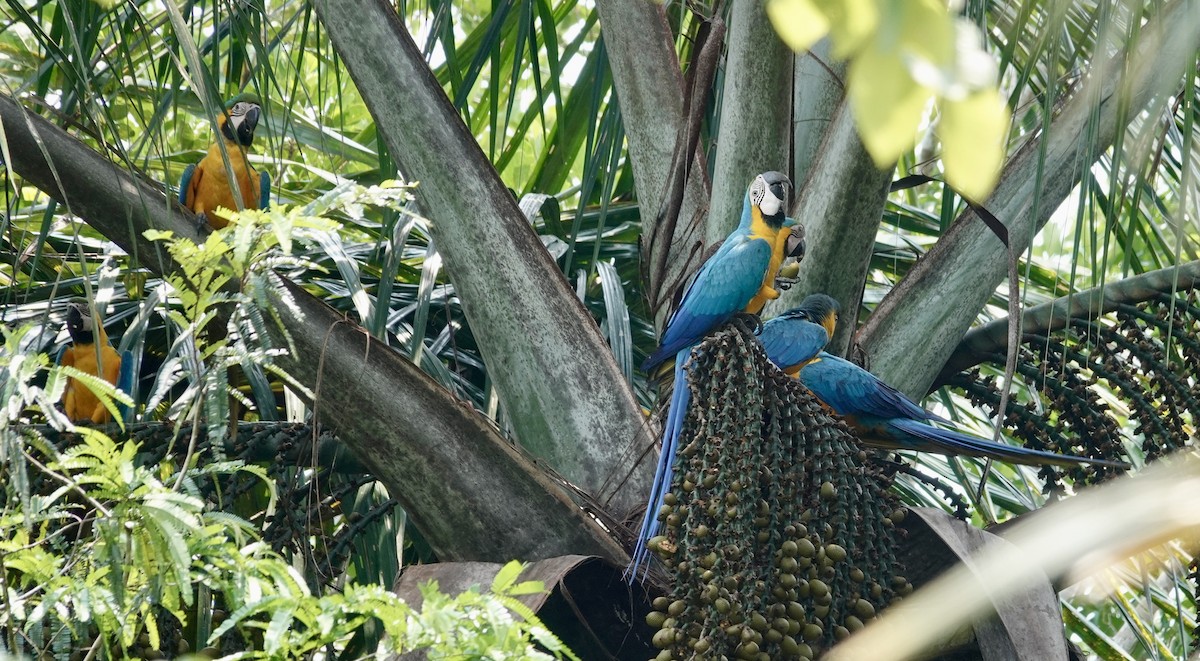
{"type": "Point", "coordinates": [532, 81]}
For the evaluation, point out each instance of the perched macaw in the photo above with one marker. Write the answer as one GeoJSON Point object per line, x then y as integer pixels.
{"type": "Point", "coordinates": [879, 414]}
{"type": "Point", "coordinates": [795, 337]}
{"type": "Point", "coordinates": [735, 274]}
{"type": "Point", "coordinates": [90, 352]}
{"type": "Point", "coordinates": [205, 186]}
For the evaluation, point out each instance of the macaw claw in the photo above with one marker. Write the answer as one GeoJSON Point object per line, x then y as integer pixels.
{"type": "Point", "coordinates": [748, 321]}
{"type": "Point", "coordinates": [784, 284]}
{"type": "Point", "coordinates": [202, 222]}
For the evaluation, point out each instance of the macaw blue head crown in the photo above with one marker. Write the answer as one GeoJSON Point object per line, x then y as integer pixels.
{"type": "Point", "coordinates": [817, 308]}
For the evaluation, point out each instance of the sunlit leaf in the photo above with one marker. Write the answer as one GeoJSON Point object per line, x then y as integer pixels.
{"type": "Point", "coordinates": [887, 104]}
{"type": "Point", "coordinates": [800, 23]}
{"type": "Point", "coordinates": [507, 576]}
{"type": "Point", "coordinates": [972, 132]}
{"type": "Point", "coordinates": [927, 36]}
{"type": "Point", "coordinates": [852, 22]}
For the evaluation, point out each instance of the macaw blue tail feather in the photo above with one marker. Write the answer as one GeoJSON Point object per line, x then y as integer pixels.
{"type": "Point", "coordinates": [926, 438]}
{"type": "Point", "coordinates": [264, 192]}
{"type": "Point", "coordinates": [680, 398]}
{"type": "Point", "coordinates": [125, 384]}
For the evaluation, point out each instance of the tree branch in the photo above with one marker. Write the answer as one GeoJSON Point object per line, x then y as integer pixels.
{"type": "Point", "coordinates": [710, 37]}
{"type": "Point", "coordinates": [489, 503]}
{"type": "Point", "coordinates": [649, 85]}
{"type": "Point", "coordinates": [562, 388]}
{"type": "Point", "coordinates": [980, 344]}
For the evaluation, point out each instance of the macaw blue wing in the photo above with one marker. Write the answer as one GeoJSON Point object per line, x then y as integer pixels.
{"type": "Point", "coordinates": [914, 435]}
{"type": "Point", "coordinates": [726, 282]}
{"type": "Point", "coordinates": [851, 390]}
{"type": "Point", "coordinates": [125, 384]}
{"type": "Point", "coordinates": [59, 354]}
{"type": "Point", "coordinates": [185, 182]}
{"type": "Point", "coordinates": [264, 193]}
{"type": "Point", "coordinates": [791, 341]}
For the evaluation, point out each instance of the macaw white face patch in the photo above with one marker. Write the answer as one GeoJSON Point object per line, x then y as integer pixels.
{"type": "Point", "coordinates": [763, 196]}
{"type": "Point", "coordinates": [757, 190]}
{"type": "Point", "coordinates": [85, 317]}
{"type": "Point", "coordinates": [770, 204]}
{"type": "Point", "coordinates": [237, 114]}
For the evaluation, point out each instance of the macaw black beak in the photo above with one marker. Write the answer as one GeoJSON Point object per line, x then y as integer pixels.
{"type": "Point", "coordinates": [79, 324]}
{"type": "Point", "coordinates": [245, 130]}
{"type": "Point", "coordinates": [74, 316]}
{"type": "Point", "coordinates": [795, 247]}
{"type": "Point", "coordinates": [780, 191]}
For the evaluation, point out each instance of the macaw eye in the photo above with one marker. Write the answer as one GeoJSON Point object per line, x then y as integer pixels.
{"type": "Point", "coordinates": [758, 191]}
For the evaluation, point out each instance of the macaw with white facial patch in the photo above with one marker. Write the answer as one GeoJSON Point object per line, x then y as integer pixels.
{"type": "Point", "coordinates": [739, 272]}
{"type": "Point", "coordinates": [206, 186]}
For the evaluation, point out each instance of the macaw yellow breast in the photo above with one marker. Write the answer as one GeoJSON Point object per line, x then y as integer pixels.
{"type": "Point", "coordinates": [210, 187]}
{"type": "Point", "coordinates": [759, 229]}
{"type": "Point", "coordinates": [80, 403]}
{"type": "Point", "coordinates": [794, 371]}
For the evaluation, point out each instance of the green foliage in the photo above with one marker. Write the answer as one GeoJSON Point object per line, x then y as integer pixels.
{"type": "Point", "coordinates": [148, 549]}
{"type": "Point", "coordinates": [479, 625]}
{"type": "Point", "coordinates": [121, 82]}
{"type": "Point", "coordinates": [471, 625]}
{"type": "Point", "coordinates": [242, 253]}
{"type": "Point", "coordinates": [99, 557]}
{"type": "Point", "coordinates": [231, 274]}
{"type": "Point", "coordinates": [111, 549]}
{"type": "Point", "coordinates": [19, 387]}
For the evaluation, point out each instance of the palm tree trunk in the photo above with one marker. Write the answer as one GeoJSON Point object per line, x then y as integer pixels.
{"type": "Point", "coordinates": [562, 389]}
{"type": "Point", "coordinates": [755, 130]}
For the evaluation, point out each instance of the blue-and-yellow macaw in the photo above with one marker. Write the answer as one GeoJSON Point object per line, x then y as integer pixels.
{"type": "Point", "coordinates": [724, 285]}
{"type": "Point", "coordinates": [879, 414]}
{"type": "Point", "coordinates": [90, 352]}
{"type": "Point", "coordinates": [205, 186]}
{"type": "Point", "coordinates": [794, 338]}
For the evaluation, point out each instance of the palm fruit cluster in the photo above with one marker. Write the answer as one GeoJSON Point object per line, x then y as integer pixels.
{"type": "Point", "coordinates": [1146, 356]}
{"type": "Point", "coordinates": [779, 536]}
